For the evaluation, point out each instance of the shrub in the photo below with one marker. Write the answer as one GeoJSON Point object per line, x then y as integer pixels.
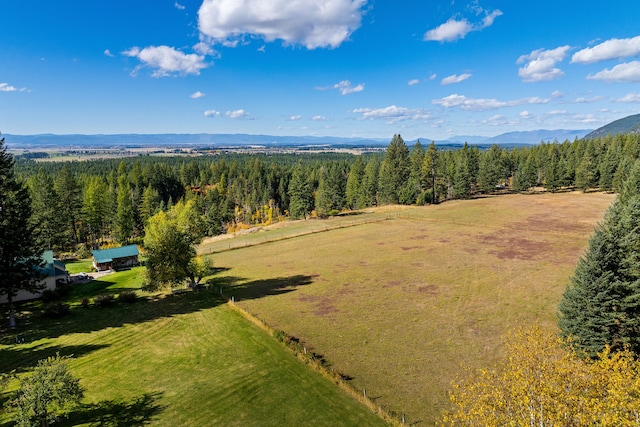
{"type": "Point", "coordinates": [56, 309]}
{"type": "Point", "coordinates": [63, 290]}
{"type": "Point", "coordinates": [127, 296]}
{"type": "Point", "coordinates": [104, 300]}
{"type": "Point", "coordinates": [49, 295]}
{"type": "Point", "coordinates": [279, 335]}
{"type": "Point", "coordinates": [85, 302]}
{"type": "Point", "coordinates": [83, 252]}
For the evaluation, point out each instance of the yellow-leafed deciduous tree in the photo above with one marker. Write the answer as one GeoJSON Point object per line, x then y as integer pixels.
{"type": "Point", "coordinates": [540, 381]}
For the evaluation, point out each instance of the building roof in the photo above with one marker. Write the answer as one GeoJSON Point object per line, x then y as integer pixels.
{"type": "Point", "coordinates": [52, 267]}
{"type": "Point", "coordinates": [108, 255]}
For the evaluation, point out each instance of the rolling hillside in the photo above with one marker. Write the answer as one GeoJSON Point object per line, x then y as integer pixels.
{"type": "Point", "coordinates": [626, 125]}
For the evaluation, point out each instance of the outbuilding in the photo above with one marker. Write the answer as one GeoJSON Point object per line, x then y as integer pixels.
{"type": "Point", "coordinates": [52, 273]}
{"type": "Point", "coordinates": [115, 258]}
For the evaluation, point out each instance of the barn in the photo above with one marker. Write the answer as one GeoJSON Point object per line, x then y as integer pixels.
{"type": "Point", "coordinates": [115, 258]}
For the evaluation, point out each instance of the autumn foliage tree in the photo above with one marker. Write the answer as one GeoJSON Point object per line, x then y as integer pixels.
{"type": "Point", "coordinates": [540, 381]}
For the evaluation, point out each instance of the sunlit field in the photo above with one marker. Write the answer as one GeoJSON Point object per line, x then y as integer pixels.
{"type": "Point", "coordinates": [402, 301]}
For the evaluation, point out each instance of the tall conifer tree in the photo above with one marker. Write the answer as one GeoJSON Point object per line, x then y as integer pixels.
{"type": "Point", "coordinates": [601, 306]}
{"type": "Point", "coordinates": [20, 254]}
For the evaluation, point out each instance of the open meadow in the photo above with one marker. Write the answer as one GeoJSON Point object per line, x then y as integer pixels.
{"type": "Point", "coordinates": [174, 360]}
{"type": "Point", "coordinates": [399, 298]}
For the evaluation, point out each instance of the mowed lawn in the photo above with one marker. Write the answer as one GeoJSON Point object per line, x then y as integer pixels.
{"type": "Point", "coordinates": [401, 305]}
{"type": "Point", "coordinates": [176, 360]}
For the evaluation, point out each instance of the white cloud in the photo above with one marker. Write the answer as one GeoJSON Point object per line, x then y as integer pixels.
{"type": "Point", "coordinates": [557, 94]}
{"type": "Point", "coordinates": [319, 118]}
{"type": "Point", "coordinates": [413, 82]}
{"type": "Point", "coordinates": [526, 115]}
{"type": "Point", "coordinates": [179, 6]}
{"type": "Point", "coordinates": [203, 49]}
{"type": "Point", "coordinates": [393, 114]}
{"type": "Point", "coordinates": [211, 113]}
{"type": "Point", "coordinates": [433, 76]}
{"type": "Point", "coordinates": [6, 87]}
{"type": "Point", "coordinates": [557, 112]}
{"type": "Point", "coordinates": [626, 72]}
{"type": "Point", "coordinates": [455, 29]}
{"type": "Point", "coordinates": [454, 78]}
{"type": "Point", "coordinates": [585, 100]}
{"type": "Point", "coordinates": [294, 118]}
{"type": "Point", "coordinates": [311, 23]}
{"type": "Point", "coordinates": [584, 118]}
{"type": "Point", "coordinates": [630, 97]}
{"type": "Point", "coordinates": [166, 60]}
{"type": "Point", "coordinates": [610, 49]}
{"type": "Point", "coordinates": [107, 52]}
{"type": "Point", "coordinates": [262, 48]}
{"type": "Point", "coordinates": [498, 120]}
{"type": "Point", "coordinates": [540, 65]}
{"type": "Point", "coordinates": [481, 104]}
{"type": "Point", "coordinates": [196, 95]}
{"type": "Point", "coordinates": [237, 114]}
{"type": "Point", "coordinates": [346, 88]}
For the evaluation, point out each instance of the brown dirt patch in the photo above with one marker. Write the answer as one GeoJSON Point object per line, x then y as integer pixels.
{"type": "Point", "coordinates": [515, 247]}
{"type": "Point", "coordinates": [322, 306]}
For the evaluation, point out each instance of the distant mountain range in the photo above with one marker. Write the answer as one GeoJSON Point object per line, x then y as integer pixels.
{"type": "Point", "coordinates": [626, 125]}
{"type": "Point", "coordinates": [225, 140]}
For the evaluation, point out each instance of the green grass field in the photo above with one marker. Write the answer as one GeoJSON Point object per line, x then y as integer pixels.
{"type": "Point", "coordinates": [401, 302]}
{"type": "Point", "coordinates": [175, 360]}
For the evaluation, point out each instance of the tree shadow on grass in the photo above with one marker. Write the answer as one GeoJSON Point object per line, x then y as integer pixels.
{"type": "Point", "coordinates": [138, 412]}
{"type": "Point", "coordinates": [32, 325]}
{"type": "Point", "coordinates": [240, 289]}
{"type": "Point", "coordinates": [21, 358]}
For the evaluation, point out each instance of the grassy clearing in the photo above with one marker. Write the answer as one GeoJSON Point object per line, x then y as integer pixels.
{"type": "Point", "coordinates": [400, 304]}
{"type": "Point", "coordinates": [79, 266]}
{"type": "Point", "coordinates": [168, 360]}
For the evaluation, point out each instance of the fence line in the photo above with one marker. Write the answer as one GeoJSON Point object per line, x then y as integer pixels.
{"type": "Point", "coordinates": [324, 369]}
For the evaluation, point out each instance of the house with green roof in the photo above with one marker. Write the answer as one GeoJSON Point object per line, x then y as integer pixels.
{"type": "Point", "coordinates": [53, 272]}
{"type": "Point", "coordinates": [115, 258]}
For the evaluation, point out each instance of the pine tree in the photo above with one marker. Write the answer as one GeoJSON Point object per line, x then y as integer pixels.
{"type": "Point", "coordinates": [461, 178]}
{"type": "Point", "coordinates": [490, 170]}
{"type": "Point", "coordinates": [601, 306]}
{"type": "Point", "coordinates": [46, 211]}
{"type": "Point", "coordinates": [429, 172]}
{"type": "Point", "coordinates": [300, 197]}
{"type": "Point", "coordinates": [413, 187]}
{"type": "Point", "coordinates": [68, 192]}
{"type": "Point", "coordinates": [370, 183]}
{"type": "Point", "coordinates": [354, 184]}
{"type": "Point", "coordinates": [125, 219]}
{"type": "Point", "coordinates": [394, 171]}
{"type": "Point", "coordinates": [20, 253]}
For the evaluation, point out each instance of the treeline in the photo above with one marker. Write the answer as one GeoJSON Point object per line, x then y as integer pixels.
{"type": "Point", "coordinates": [91, 201]}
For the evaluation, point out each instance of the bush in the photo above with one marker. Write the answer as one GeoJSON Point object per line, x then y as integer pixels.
{"type": "Point", "coordinates": [85, 302]}
{"type": "Point", "coordinates": [56, 309]}
{"type": "Point", "coordinates": [279, 335]}
{"type": "Point", "coordinates": [127, 296]}
{"type": "Point", "coordinates": [63, 290]}
{"type": "Point", "coordinates": [83, 252]}
{"type": "Point", "coordinates": [104, 300]}
{"type": "Point", "coordinates": [50, 295]}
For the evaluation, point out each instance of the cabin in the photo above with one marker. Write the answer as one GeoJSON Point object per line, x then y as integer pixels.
{"type": "Point", "coordinates": [115, 258]}
{"type": "Point", "coordinates": [53, 272]}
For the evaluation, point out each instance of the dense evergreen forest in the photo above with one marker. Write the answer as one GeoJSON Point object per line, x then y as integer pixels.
{"type": "Point", "coordinates": [83, 203]}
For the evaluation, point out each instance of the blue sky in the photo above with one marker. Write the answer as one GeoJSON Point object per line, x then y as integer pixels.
{"type": "Point", "coordinates": [365, 68]}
